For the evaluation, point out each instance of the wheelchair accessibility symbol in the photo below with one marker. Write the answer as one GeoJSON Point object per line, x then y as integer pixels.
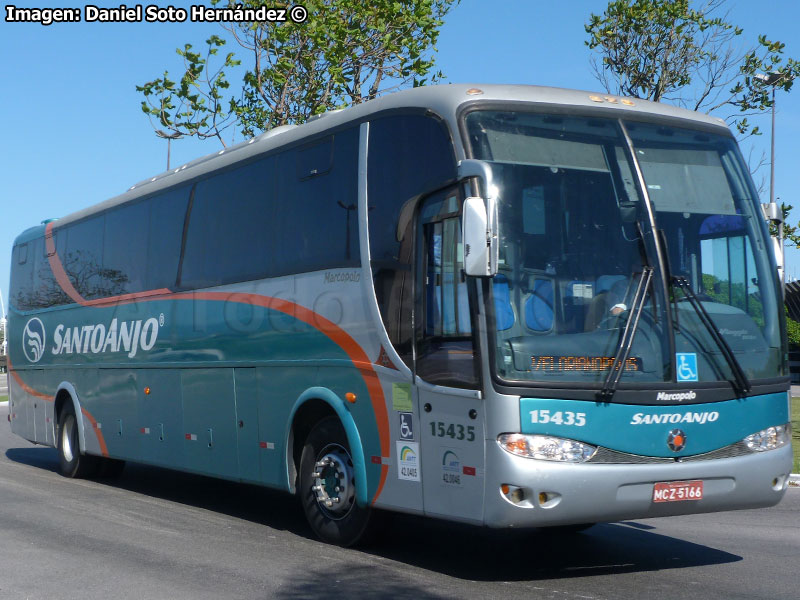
{"type": "Point", "coordinates": [686, 365]}
{"type": "Point", "coordinates": [406, 426]}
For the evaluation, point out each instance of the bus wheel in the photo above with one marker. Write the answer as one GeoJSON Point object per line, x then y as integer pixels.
{"type": "Point", "coordinates": [327, 486]}
{"type": "Point", "coordinates": [73, 464]}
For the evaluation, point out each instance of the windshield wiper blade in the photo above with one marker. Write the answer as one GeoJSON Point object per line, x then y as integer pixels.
{"type": "Point", "coordinates": [742, 382]}
{"type": "Point", "coordinates": [626, 341]}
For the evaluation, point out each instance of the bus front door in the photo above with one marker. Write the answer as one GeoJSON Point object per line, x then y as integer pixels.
{"type": "Point", "coordinates": [451, 411]}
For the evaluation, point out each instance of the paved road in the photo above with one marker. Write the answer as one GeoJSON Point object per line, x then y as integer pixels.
{"type": "Point", "coordinates": [159, 534]}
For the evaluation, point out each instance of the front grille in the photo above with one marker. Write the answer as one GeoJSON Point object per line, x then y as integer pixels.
{"type": "Point", "coordinates": [613, 457]}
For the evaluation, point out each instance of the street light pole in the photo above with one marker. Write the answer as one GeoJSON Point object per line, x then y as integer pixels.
{"type": "Point", "coordinates": [169, 137]}
{"type": "Point", "coordinates": [772, 79]}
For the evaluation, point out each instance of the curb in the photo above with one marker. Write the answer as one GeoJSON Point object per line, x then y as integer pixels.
{"type": "Point", "coordinates": [794, 480]}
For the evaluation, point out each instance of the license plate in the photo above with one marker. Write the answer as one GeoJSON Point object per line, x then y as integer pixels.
{"type": "Point", "coordinates": [677, 491]}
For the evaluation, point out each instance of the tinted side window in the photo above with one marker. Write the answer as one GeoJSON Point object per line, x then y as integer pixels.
{"type": "Point", "coordinates": [83, 259]}
{"type": "Point", "coordinates": [126, 248]}
{"type": "Point", "coordinates": [167, 216]}
{"type": "Point", "coordinates": [230, 226]}
{"type": "Point", "coordinates": [317, 211]}
{"type": "Point", "coordinates": [408, 155]}
{"type": "Point", "coordinates": [21, 276]}
{"type": "Point", "coordinates": [46, 291]}
{"type": "Point", "coordinates": [291, 212]}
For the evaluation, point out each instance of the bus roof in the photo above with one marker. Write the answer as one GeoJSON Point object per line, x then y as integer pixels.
{"type": "Point", "coordinates": [443, 100]}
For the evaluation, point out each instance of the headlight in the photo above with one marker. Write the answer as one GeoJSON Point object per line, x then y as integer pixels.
{"type": "Point", "coordinates": [769, 438]}
{"type": "Point", "coordinates": [545, 447]}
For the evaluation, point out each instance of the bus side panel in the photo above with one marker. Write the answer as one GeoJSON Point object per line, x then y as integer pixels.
{"type": "Point", "coordinates": [40, 419]}
{"type": "Point", "coordinates": [278, 389]}
{"type": "Point", "coordinates": [209, 422]}
{"type": "Point", "coordinates": [161, 422]}
{"type": "Point", "coordinates": [21, 407]}
{"type": "Point", "coordinates": [246, 397]}
{"type": "Point", "coordinates": [110, 398]}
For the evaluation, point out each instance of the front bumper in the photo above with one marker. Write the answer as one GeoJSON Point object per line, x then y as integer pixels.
{"type": "Point", "coordinates": [592, 493]}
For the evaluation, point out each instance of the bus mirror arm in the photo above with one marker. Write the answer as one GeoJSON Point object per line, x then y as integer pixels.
{"type": "Point", "coordinates": [479, 222]}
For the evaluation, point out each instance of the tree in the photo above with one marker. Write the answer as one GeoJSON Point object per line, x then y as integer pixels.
{"type": "Point", "coordinates": [667, 51]}
{"type": "Point", "coordinates": [792, 331]}
{"type": "Point", "coordinates": [790, 232]}
{"type": "Point", "coordinates": [346, 52]}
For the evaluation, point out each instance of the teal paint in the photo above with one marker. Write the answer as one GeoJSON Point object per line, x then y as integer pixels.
{"type": "Point", "coordinates": [246, 395]}
{"type": "Point", "coordinates": [643, 430]}
{"type": "Point", "coordinates": [186, 350]}
{"type": "Point", "coordinates": [159, 417]}
{"type": "Point", "coordinates": [353, 438]}
{"type": "Point", "coordinates": [209, 422]}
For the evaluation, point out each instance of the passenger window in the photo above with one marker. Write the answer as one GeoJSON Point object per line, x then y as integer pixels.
{"type": "Point", "coordinates": [408, 155]}
{"type": "Point", "coordinates": [125, 247]}
{"type": "Point", "coordinates": [167, 217]}
{"type": "Point", "coordinates": [83, 259]}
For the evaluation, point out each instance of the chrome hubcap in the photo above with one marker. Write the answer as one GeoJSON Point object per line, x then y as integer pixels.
{"type": "Point", "coordinates": [333, 482]}
{"type": "Point", "coordinates": [66, 438]}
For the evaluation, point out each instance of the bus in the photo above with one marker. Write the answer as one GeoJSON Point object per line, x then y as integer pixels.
{"type": "Point", "coordinates": [509, 306]}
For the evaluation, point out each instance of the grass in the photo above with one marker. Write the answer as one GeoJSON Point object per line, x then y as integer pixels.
{"type": "Point", "coordinates": [796, 433]}
{"type": "Point", "coordinates": [3, 399]}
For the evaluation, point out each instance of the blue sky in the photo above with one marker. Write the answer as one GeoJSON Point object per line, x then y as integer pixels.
{"type": "Point", "coordinates": [74, 134]}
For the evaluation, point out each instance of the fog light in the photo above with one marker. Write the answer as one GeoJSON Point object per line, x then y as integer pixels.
{"type": "Point", "coordinates": [544, 447]}
{"type": "Point", "coordinates": [549, 499]}
{"type": "Point", "coordinates": [770, 438]}
{"type": "Point", "coordinates": [514, 493]}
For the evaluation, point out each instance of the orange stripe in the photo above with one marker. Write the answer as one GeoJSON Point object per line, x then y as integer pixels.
{"type": "Point", "coordinates": [58, 269]}
{"type": "Point", "coordinates": [338, 335]}
{"type": "Point", "coordinates": [28, 389]}
{"type": "Point", "coordinates": [125, 298]}
{"type": "Point", "coordinates": [100, 439]}
{"type": "Point", "coordinates": [63, 279]}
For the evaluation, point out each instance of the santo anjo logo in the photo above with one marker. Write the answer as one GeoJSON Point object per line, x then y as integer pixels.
{"type": "Point", "coordinates": [33, 340]}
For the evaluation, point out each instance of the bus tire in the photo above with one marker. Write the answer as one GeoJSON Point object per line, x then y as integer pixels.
{"type": "Point", "coordinates": [327, 486]}
{"type": "Point", "coordinates": [72, 463]}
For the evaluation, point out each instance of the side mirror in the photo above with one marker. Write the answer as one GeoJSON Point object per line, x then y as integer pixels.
{"type": "Point", "coordinates": [475, 236]}
{"type": "Point", "coordinates": [479, 222]}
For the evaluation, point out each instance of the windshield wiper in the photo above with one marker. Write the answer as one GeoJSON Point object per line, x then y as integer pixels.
{"type": "Point", "coordinates": [742, 382]}
{"type": "Point", "coordinates": [626, 340]}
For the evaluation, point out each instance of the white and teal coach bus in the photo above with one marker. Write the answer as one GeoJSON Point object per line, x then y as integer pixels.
{"type": "Point", "coordinates": [511, 306]}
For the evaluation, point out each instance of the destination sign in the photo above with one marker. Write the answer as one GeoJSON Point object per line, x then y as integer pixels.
{"type": "Point", "coordinates": [581, 363]}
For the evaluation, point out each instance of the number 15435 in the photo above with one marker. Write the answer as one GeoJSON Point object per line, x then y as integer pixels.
{"type": "Point", "coordinates": [558, 417]}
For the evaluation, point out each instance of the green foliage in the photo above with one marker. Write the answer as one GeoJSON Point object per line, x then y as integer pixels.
{"type": "Point", "coordinates": [346, 52]}
{"type": "Point", "coordinates": [196, 105]}
{"type": "Point", "coordinates": [790, 232]}
{"type": "Point", "coordinates": [792, 331]}
{"type": "Point", "coordinates": [666, 50]}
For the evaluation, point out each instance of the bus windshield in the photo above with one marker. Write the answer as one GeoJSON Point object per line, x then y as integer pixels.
{"type": "Point", "coordinates": [576, 238]}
